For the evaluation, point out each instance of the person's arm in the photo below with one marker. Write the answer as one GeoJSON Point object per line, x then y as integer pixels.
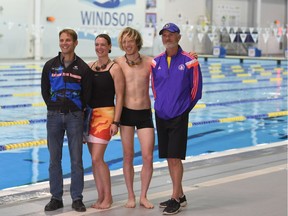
{"type": "Point", "coordinates": [45, 84]}
{"type": "Point", "coordinates": [196, 79]}
{"type": "Point", "coordinates": [119, 84]}
{"type": "Point", "coordinates": [86, 85]}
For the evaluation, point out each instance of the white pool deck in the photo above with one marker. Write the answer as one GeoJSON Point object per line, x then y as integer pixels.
{"type": "Point", "coordinates": [243, 182]}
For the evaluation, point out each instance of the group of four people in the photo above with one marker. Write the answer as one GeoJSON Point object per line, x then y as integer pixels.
{"type": "Point", "coordinates": [117, 91]}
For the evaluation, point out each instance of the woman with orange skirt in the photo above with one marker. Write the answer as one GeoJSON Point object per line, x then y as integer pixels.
{"type": "Point", "coordinates": [108, 83]}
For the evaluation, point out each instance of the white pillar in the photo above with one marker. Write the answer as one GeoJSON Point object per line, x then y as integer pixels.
{"type": "Point", "coordinates": [37, 33]}
{"type": "Point", "coordinates": [258, 19]}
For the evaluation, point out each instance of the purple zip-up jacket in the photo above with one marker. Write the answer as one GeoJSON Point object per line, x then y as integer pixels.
{"type": "Point", "coordinates": [178, 88]}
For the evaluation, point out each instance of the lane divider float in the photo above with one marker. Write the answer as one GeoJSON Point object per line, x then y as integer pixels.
{"type": "Point", "coordinates": [42, 142]}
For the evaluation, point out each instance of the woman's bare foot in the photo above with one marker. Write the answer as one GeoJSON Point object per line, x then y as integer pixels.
{"type": "Point", "coordinates": [131, 203]}
{"type": "Point", "coordinates": [106, 204]}
{"type": "Point", "coordinates": [145, 203]}
{"type": "Point", "coordinates": [96, 204]}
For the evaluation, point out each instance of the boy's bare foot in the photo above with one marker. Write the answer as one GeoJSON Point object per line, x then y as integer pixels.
{"type": "Point", "coordinates": [145, 203]}
{"type": "Point", "coordinates": [131, 203]}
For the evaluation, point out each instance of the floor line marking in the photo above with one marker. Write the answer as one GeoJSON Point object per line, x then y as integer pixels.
{"type": "Point", "coordinates": [223, 180]}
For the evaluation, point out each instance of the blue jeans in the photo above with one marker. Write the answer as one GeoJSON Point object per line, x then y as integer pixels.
{"type": "Point", "coordinates": [57, 125]}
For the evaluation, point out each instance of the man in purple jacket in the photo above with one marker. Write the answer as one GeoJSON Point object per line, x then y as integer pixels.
{"type": "Point", "coordinates": [177, 86]}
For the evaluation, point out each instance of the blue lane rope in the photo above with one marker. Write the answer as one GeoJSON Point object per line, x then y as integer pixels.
{"type": "Point", "coordinates": [26, 79]}
{"type": "Point", "coordinates": [6, 95]}
{"type": "Point", "coordinates": [16, 86]}
{"type": "Point", "coordinates": [22, 74]}
{"type": "Point", "coordinates": [40, 104]}
{"type": "Point", "coordinates": [15, 70]}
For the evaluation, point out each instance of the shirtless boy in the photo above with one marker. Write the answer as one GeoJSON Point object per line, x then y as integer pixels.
{"type": "Point", "coordinates": [136, 114]}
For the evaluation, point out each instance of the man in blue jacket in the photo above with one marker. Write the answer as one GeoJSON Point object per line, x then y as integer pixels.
{"type": "Point", "coordinates": [177, 86]}
{"type": "Point", "coordinates": [66, 88]}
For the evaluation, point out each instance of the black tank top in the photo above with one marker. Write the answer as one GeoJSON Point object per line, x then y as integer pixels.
{"type": "Point", "coordinates": [103, 90]}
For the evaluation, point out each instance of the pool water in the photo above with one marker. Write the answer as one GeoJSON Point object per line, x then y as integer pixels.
{"type": "Point", "coordinates": [242, 105]}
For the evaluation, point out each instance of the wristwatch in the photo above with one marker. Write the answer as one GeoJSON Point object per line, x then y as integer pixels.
{"type": "Point", "coordinates": [116, 123]}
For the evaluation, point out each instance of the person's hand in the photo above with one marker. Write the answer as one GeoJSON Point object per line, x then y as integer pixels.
{"type": "Point", "coordinates": [193, 54]}
{"type": "Point", "coordinates": [113, 129]}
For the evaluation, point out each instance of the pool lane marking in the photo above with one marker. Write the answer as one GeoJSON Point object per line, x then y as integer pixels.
{"type": "Point", "coordinates": [240, 118]}
{"type": "Point", "coordinates": [28, 144]}
{"type": "Point", "coordinates": [220, 75]}
{"type": "Point", "coordinates": [221, 120]}
{"type": "Point", "coordinates": [247, 81]}
{"type": "Point", "coordinates": [243, 89]}
{"type": "Point", "coordinates": [13, 68]}
{"type": "Point", "coordinates": [190, 124]}
{"type": "Point", "coordinates": [41, 104]}
{"type": "Point", "coordinates": [21, 122]}
{"type": "Point", "coordinates": [276, 79]}
{"type": "Point", "coordinates": [30, 94]}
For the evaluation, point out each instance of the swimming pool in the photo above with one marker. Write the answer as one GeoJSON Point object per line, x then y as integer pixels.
{"type": "Point", "coordinates": [242, 105]}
